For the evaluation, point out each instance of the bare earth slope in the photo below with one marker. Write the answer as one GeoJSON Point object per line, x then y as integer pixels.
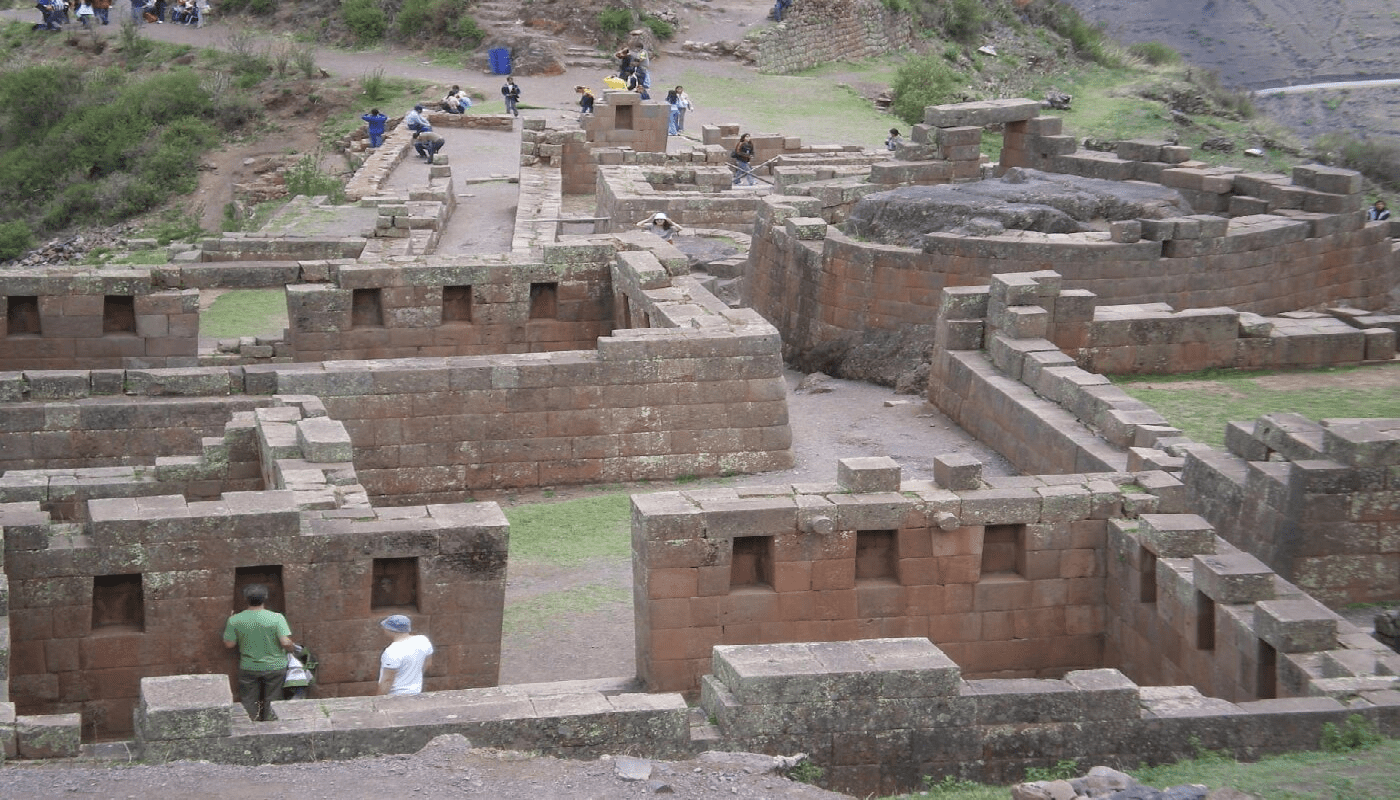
{"type": "Point", "coordinates": [1260, 43]}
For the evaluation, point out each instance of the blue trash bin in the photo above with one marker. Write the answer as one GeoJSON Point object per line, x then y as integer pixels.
{"type": "Point", "coordinates": [500, 60]}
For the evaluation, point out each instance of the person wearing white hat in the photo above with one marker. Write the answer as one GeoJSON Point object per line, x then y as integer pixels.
{"type": "Point", "coordinates": [661, 225]}
{"type": "Point", "coordinates": [404, 660]}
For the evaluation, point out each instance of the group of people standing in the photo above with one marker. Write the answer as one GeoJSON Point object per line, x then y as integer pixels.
{"type": "Point", "coordinates": [265, 648]}
{"type": "Point", "coordinates": [55, 13]}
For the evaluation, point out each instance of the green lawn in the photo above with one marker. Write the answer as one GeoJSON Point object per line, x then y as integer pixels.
{"type": "Point", "coordinates": [572, 531]}
{"type": "Point", "coordinates": [539, 613]}
{"type": "Point", "coordinates": [245, 312]}
{"type": "Point", "coordinates": [1201, 403]}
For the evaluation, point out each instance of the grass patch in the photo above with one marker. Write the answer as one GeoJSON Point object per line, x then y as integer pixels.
{"type": "Point", "coordinates": [539, 613]}
{"type": "Point", "coordinates": [1201, 411]}
{"type": "Point", "coordinates": [244, 312]}
{"type": "Point", "coordinates": [573, 531]}
{"type": "Point", "coordinates": [807, 105]}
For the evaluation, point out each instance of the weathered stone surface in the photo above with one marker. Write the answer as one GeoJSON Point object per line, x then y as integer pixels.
{"type": "Point", "coordinates": [185, 707]}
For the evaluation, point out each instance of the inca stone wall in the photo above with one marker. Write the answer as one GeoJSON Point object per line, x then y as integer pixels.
{"type": "Point", "coordinates": [1318, 502]}
{"type": "Point", "coordinates": [114, 575]}
{"type": "Point", "coordinates": [822, 31]}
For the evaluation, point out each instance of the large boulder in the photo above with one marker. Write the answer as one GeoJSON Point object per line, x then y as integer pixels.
{"type": "Point", "coordinates": [1021, 200]}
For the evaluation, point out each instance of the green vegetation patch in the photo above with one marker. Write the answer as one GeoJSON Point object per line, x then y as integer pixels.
{"type": "Point", "coordinates": [539, 613]}
{"type": "Point", "coordinates": [245, 312]}
{"type": "Point", "coordinates": [573, 531]}
{"type": "Point", "coordinates": [1202, 403]}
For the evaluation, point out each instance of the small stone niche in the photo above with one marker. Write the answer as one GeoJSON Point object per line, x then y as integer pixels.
{"type": "Point", "coordinates": [456, 304]}
{"type": "Point", "coordinates": [1003, 550]}
{"type": "Point", "coordinates": [395, 585]}
{"type": "Point", "coordinates": [751, 566]}
{"type": "Point", "coordinates": [270, 576]}
{"type": "Point", "coordinates": [22, 316]}
{"type": "Point", "coordinates": [875, 556]}
{"type": "Point", "coordinates": [118, 604]}
{"type": "Point", "coordinates": [366, 309]}
{"type": "Point", "coordinates": [118, 314]}
{"type": "Point", "coordinates": [544, 300]}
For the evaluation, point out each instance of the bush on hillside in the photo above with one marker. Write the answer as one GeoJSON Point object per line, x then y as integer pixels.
{"type": "Point", "coordinates": [965, 20]}
{"type": "Point", "coordinates": [1088, 40]}
{"type": "Point", "coordinates": [924, 81]}
{"type": "Point", "coordinates": [15, 239]}
{"type": "Point", "coordinates": [366, 20]}
{"type": "Point", "coordinates": [1155, 53]}
{"type": "Point", "coordinates": [616, 21]}
{"type": "Point", "coordinates": [117, 147]}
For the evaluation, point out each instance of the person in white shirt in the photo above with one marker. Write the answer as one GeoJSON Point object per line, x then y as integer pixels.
{"type": "Point", "coordinates": [402, 664]}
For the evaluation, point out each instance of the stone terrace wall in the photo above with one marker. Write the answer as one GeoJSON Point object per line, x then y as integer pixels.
{"type": "Point", "coordinates": [455, 306]}
{"type": "Point", "coordinates": [879, 715]}
{"type": "Point", "coordinates": [821, 31]}
{"type": "Point", "coordinates": [700, 392]}
{"type": "Point", "coordinates": [1007, 578]}
{"type": "Point", "coordinates": [143, 584]}
{"type": "Point", "coordinates": [1318, 502]}
{"type": "Point", "coordinates": [95, 319]}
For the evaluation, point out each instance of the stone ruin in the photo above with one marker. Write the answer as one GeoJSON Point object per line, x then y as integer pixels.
{"type": "Point", "coordinates": [1131, 590]}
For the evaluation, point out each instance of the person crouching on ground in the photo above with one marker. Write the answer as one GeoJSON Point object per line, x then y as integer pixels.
{"type": "Point", "coordinates": [428, 144]}
{"type": "Point", "coordinates": [402, 664]}
{"type": "Point", "coordinates": [661, 225]}
{"type": "Point", "coordinates": [263, 640]}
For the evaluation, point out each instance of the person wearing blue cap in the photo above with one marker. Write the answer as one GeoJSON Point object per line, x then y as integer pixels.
{"type": "Point", "coordinates": [404, 660]}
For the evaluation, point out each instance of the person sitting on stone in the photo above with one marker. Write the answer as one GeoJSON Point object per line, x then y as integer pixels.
{"type": "Point", "coordinates": [661, 225]}
{"type": "Point", "coordinates": [456, 101]}
{"type": "Point", "coordinates": [416, 121]}
{"type": "Point", "coordinates": [585, 99]}
{"type": "Point", "coordinates": [895, 140]}
{"type": "Point", "coordinates": [1378, 212]}
{"type": "Point", "coordinates": [428, 144]}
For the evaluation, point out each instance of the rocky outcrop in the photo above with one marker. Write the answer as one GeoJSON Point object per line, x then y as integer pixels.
{"type": "Point", "coordinates": [1023, 199]}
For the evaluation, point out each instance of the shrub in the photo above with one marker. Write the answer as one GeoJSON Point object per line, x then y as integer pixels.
{"type": "Point", "coordinates": [468, 31]}
{"type": "Point", "coordinates": [617, 21]}
{"type": "Point", "coordinates": [925, 81]}
{"type": "Point", "coordinates": [262, 6]}
{"type": "Point", "coordinates": [414, 17]}
{"type": "Point", "coordinates": [1087, 40]}
{"type": "Point", "coordinates": [965, 20]}
{"type": "Point", "coordinates": [659, 27]}
{"type": "Point", "coordinates": [306, 178]}
{"type": "Point", "coordinates": [15, 239]}
{"type": "Point", "coordinates": [1356, 733]}
{"type": "Point", "coordinates": [1063, 770]}
{"type": "Point", "coordinates": [365, 19]}
{"type": "Point", "coordinates": [1155, 53]}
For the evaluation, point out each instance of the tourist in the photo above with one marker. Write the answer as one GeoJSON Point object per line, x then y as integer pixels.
{"type": "Point", "coordinates": [49, 14]}
{"type": "Point", "coordinates": [685, 105]}
{"type": "Point", "coordinates": [375, 121]}
{"type": "Point", "coordinates": [585, 99]}
{"type": "Point", "coordinates": [416, 122]}
{"type": "Point", "coordinates": [456, 101]}
{"type": "Point", "coordinates": [138, 10]}
{"type": "Point", "coordinates": [428, 144]}
{"type": "Point", "coordinates": [743, 156]}
{"type": "Point", "coordinates": [102, 8]}
{"type": "Point", "coordinates": [511, 93]}
{"type": "Point", "coordinates": [85, 13]}
{"type": "Point", "coordinates": [778, 8]}
{"type": "Point", "coordinates": [894, 141]}
{"type": "Point", "coordinates": [673, 122]}
{"type": "Point", "coordinates": [626, 63]}
{"type": "Point", "coordinates": [404, 660]}
{"type": "Point", "coordinates": [263, 641]}
{"type": "Point", "coordinates": [1378, 212]}
{"type": "Point", "coordinates": [661, 225]}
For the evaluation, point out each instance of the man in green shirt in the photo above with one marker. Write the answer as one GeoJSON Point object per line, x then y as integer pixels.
{"type": "Point", "coordinates": [263, 641]}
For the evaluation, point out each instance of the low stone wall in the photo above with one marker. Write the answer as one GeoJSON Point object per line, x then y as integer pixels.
{"type": "Point", "coordinates": [189, 717]}
{"type": "Point", "coordinates": [134, 584]}
{"type": "Point", "coordinates": [822, 31]}
{"type": "Point", "coordinates": [95, 319]}
{"type": "Point", "coordinates": [879, 715]}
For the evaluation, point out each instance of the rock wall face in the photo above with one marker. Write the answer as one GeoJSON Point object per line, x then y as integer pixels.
{"type": "Point", "coordinates": [821, 31]}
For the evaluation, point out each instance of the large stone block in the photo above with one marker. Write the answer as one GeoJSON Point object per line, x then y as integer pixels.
{"type": "Point", "coordinates": [870, 474]}
{"type": "Point", "coordinates": [49, 736]}
{"type": "Point", "coordinates": [1177, 535]}
{"type": "Point", "coordinates": [1296, 624]}
{"type": "Point", "coordinates": [1233, 578]}
{"type": "Point", "coordinates": [184, 707]}
{"type": "Point", "coordinates": [981, 113]}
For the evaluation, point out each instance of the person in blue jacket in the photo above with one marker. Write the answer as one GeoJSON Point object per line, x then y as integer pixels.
{"type": "Point", "coordinates": [375, 121]}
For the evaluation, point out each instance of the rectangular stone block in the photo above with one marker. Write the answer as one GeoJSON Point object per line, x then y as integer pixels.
{"type": "Point", "coordinates": [49, 735]}
{"type": "Point", "coordinates": [870, 474]}
{"type": "Point", "coordinates": [1233, 578]}
{"type": "Point", "coordinates": [184, 707]}
{"type": "Point", "coordinates": [1176, 535]}
{"type": "Point", "coordinates": [1296, 625]}
{"type": "Point", "coordinates": [980, 113]}
{"type": "Point", "coordinates": [957, 471]}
